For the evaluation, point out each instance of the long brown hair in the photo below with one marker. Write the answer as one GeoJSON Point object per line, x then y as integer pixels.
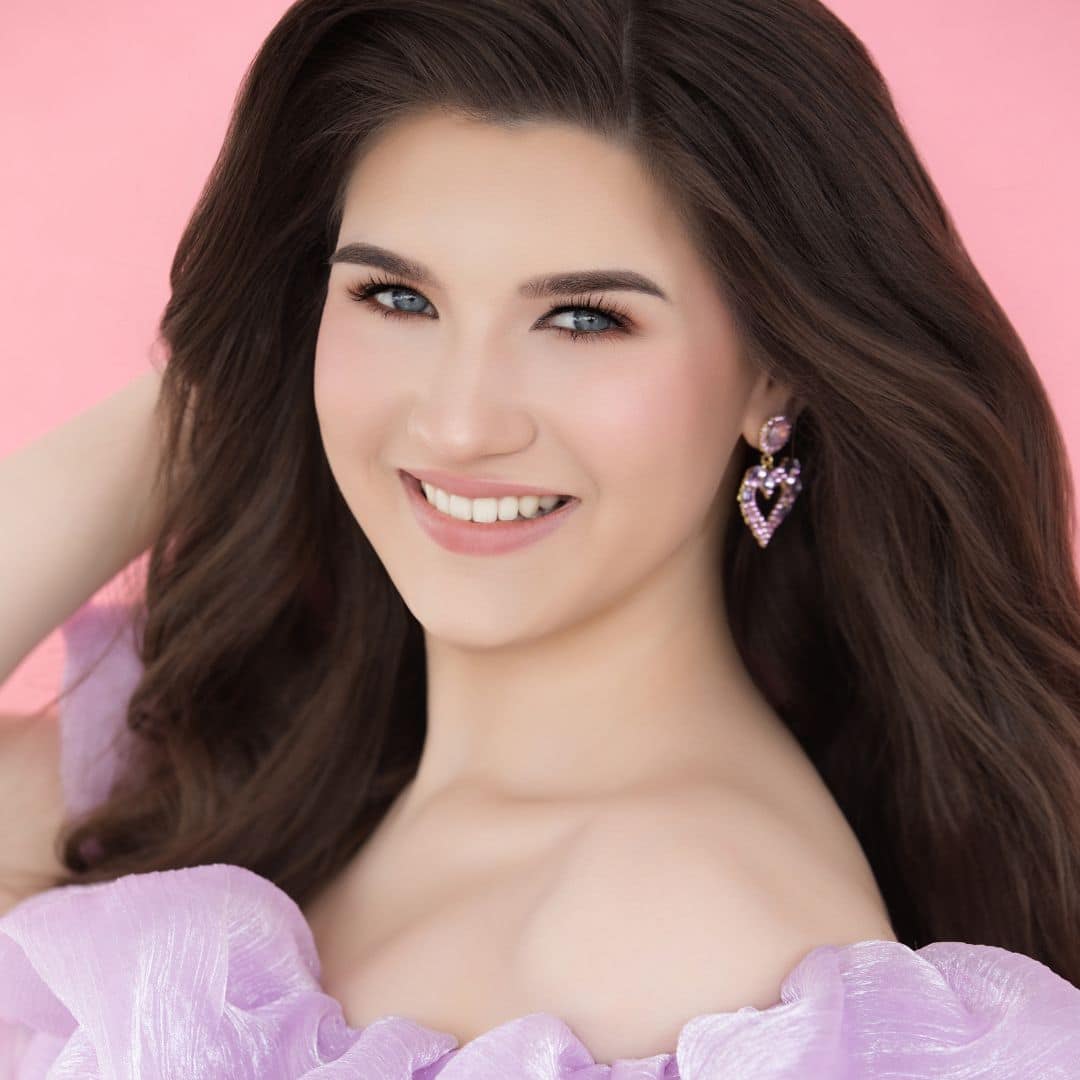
{"type": "Point", "coordinates": [916, 620]}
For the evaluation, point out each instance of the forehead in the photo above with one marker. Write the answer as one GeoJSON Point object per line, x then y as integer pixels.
{"type": "Point", "coordinates": [458, 177]}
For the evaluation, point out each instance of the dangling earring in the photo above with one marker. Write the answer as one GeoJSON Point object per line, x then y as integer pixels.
{"type": "Point", "coordinates": [774, 433]}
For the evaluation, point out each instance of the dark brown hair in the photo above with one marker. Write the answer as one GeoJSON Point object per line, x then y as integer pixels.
{"type": "Point", "coordinates": [915, 621]}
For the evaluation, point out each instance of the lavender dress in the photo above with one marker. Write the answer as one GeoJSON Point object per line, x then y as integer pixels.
{"type": "Point", "coordinates": [211, 973]}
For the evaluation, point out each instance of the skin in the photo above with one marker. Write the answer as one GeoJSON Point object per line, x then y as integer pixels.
{"type": "Point", "coordinates": [598, 658]}
{"type": "Point", "coordinates": [588, 714]}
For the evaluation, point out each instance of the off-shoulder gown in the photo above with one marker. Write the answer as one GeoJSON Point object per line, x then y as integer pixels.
{"type": "Point", "coordinates": [211, 973]}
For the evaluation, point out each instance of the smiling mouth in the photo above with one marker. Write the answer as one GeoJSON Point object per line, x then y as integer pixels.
{"type": "Point", "coordinates": [521, 518]}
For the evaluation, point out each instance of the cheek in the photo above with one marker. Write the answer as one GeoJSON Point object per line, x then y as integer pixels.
{"type": "Point", "coordinates": [665, 434]}
{"type": "Point", "coordinates": [354, 408]}
{"type": "Point", "coordinates": [352, 392]}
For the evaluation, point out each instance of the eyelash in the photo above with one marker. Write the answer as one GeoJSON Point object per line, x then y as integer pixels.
{"type": "Point", "coordinates": [363, 291]}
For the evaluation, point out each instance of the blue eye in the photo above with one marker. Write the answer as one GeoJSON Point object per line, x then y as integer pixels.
{"type": "Point", "coordinates": [591, 307]}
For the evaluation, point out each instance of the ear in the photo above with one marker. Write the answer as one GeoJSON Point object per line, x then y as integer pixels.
{"type": "Point", "coordinates": [767, 398]}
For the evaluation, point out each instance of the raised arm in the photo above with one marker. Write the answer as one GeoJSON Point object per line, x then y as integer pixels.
{"type": "Point", "coordinates": [77, 505]}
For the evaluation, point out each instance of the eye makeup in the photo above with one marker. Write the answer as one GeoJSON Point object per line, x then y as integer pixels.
{"type": "Point", "coordinates": [362, 292]}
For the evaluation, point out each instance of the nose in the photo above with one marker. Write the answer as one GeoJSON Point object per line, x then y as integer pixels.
{"type": "Point", "coordinates": [468, 409]}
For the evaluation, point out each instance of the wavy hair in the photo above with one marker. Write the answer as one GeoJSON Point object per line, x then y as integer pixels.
{"type": "Point", "coordinates": [921, 635]}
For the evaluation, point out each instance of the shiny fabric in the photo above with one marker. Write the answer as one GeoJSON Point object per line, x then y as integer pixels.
{"type": "Point", "coordinates": [211, 973]}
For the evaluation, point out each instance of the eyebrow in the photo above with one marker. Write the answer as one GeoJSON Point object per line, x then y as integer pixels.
{"type": "Point", "coordinates": [571, 281]}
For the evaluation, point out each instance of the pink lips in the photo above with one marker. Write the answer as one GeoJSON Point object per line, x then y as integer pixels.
{"type": "Point", "coordinates": [477, 487]}
{"type": "Point", "coordinates": [474, 538]}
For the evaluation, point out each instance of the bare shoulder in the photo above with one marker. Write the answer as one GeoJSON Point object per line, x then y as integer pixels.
{"type": "Point", "coordinates": [668, 909]}
{"type": "Point", "coordinates": [31, 805]}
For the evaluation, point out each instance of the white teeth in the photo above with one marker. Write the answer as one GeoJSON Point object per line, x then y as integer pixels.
{"type": "Point", "coordinates": [502, 508]}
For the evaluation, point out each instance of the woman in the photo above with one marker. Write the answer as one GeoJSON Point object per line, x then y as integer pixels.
{"type": "Point", "coordinates": [701, 704]}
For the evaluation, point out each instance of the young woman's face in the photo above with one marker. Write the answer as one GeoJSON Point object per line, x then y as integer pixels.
{"type": "Point", "coordinates": [636, 417]}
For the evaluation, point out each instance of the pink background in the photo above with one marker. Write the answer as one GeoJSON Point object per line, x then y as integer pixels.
{"type": "Point", "coordinates": [111, 115]}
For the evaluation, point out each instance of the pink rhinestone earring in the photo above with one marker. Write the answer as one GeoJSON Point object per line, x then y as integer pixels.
{"type": "Point", "coordinates": [784, 477]}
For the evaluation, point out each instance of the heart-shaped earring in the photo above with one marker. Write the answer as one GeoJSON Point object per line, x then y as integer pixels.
{"type": "Point", "coordinates": [783, 479]}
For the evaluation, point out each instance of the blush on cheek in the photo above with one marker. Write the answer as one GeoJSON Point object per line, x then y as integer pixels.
{"type": "Point", "coordinates": [670, 434]}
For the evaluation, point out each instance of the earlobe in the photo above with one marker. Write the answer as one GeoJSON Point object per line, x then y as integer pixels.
{"type": "Point", "coordinates": [769, 398]}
